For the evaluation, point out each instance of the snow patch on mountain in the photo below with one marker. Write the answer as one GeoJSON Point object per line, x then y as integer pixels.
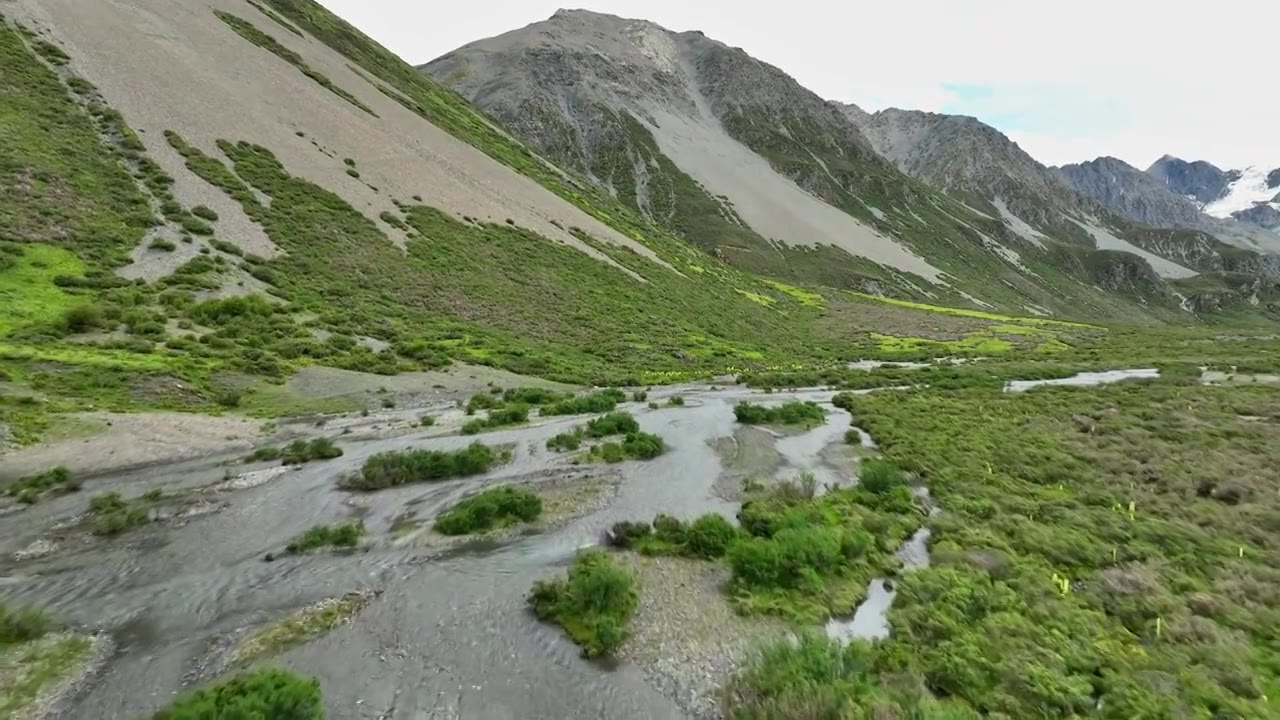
{"type": "Point", "coordinates": [1242, 194]}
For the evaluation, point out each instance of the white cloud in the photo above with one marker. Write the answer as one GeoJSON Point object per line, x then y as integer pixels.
{"type": "Point", "coordinates": [1194, 81]}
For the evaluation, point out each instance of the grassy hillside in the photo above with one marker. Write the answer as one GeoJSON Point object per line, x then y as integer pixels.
{"type": "Point", "coordinates": [82, 197]}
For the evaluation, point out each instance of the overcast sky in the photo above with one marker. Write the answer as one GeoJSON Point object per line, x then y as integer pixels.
{"type": "Point", "coordinates": [1069, 81]}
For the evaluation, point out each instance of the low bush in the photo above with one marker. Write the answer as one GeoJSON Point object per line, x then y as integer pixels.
{"type": "Point", "coordinates": [342, 535]}
{"type": "Point", "coordinates": [82, 318]}
{"type": "Point", "coordinates": [615, 423]}
{"type": "Point", "coordinates": [29, 489]}
{"type": "Point", "coordinates": [22, 625]}
{"type": "Point", "coordinates": [640, 396]}
{"type": "Point", "coordinates": [426, 421]}
{"type": "Point", "coordinates": [111, 514]}
{"type": "Point", "coordinates": [300, 452]}
{"type": "Point", "coordinates": [566, 441]}
{"type": "Point", "coordinates": [794, 558]}
{"type": "Point", "coordinates": [392, 469]}
{"type": "Point", "coordinates": [273, 694]}
{"type": "Point", "coordinates": [532, 396]}
{"type": "Point", "coordinates": [594, 604]}
{"type": "Point", "coordinates": [708, 537]}
{"type": "Point", "coordinates": [629, 535]}
{"type": "Point", "coordinates": [636, 446]}
{"type": "Point", "coordinates": [792, 413]}
{"type": "Point", "coordinates": [163, 245]}
{"type": "Point", "coordinates": [675, 401]}
{"type": "Point", "coordinates": [497, 418]}
{"type": "Point", "coordinates": [602, 401]}
{"type": "Point", "coordinates": [490, 509]}
{"type": "Point", "coordinates": [205, 213]}
{"type": "Point", "coordinates": [880, 476]}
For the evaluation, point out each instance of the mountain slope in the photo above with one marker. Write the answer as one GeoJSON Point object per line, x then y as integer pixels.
{"type": "Point", "coordinates": [1133, 194]}
{"type": "Point", "coordinates": [677, 123]}
{"type": "Point", "coordinates": [1106, 204]}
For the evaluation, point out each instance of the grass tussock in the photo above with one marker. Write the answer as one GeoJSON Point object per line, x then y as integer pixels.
{"type": "Point", "coordinates": [340, 536]}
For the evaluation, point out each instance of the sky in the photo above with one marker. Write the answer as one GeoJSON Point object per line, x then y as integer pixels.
{"type": "Point", "coordinates": [1068, 81]}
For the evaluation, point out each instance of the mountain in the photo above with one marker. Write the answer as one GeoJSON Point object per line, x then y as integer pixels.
{"type": "Point", "coordinates": [740, 160]}
{"type": "Point", "coordinates": [1133, 194]}
{"type": "Point", "coordinates": [1250, 196]}
{"type": "Point", "coordinates": [1199, 180]}
{"type": "Point", "coordinates": [964, 156]}
{"type": "Point", "coordinates": [1106, 203]}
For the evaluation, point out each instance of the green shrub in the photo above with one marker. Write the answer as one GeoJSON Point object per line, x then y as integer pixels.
{"type": "Point", "coordinates": [29, 489]}
{"type": "Point", "coordinates": [602, 401]}
{"type": "Point", "coordinates": [22, 625]}
{"type": "Point", "coordinates": [794, 558]}
{"type": "Point", "coordinates": [594, 604]}
{"type": "Point", "coordinates": [643, 446]}
{"type": "Point", "coordinates": [82, 318]}
{"type": "Point", "coordinates": [792, 413]}
{"type": "Point", "coordinates": [163, 244]}
{"type": "Point", "coordinates": [112, 515]}
{"type": "Point", "coordinates": [489, 509]}
{"type": "Point", "coordinates": [343, 535]}
{"type": "Point", "coordinates": [566, 441]}
{"type": "Point", "coordinates": [628, 535]}
{"type": "Point", "coordinates": [426, 421]}
{"type": "Point", "coordinates": [264, 454]}
{"type": "Point", "coordinates": [300, 452]}
{"type": "Point", "coordinates": [205, 213]}
{"type": "Point", "coordinates": [640, 396]}
{"type": "Point", "coordinates": [675, 401]}
{"type": "Point", "coordinates": [392, 469]}
{"type": "Point", "coordinates": [532, 396]}
{"type": "Point", "coordinates": [880, 476]}
{"type": "Point", "coordinates": [709, 536]}
{"type": "Point", "coordinates": [262, 695]}
{"type": "Point", "coordinates": [615, 423]}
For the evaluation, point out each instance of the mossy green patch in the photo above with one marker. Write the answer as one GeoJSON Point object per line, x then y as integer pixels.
{"type": "Point", "coordinates": [28, 294]}
{"type": "Point", "coordinates": [804, 297]}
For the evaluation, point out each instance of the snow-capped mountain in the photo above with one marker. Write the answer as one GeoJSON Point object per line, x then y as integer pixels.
{"type": "Point", "coordinates": [1251, 195]}
{"type": "Point", "coordinates": [1255, 186]}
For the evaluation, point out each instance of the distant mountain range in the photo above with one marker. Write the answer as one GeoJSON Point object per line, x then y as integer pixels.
{"type": "Point", "coordinates": [741, 160]}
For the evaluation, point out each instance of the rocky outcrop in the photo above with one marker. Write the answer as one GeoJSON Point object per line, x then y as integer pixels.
{"type": "Point", "coordinates": [1200, 180]}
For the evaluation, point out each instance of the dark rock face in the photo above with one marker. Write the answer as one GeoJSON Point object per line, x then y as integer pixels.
{"type": "Point", "coordinates": [1264, 215]}
{"type": "Point", "coordinates": [1201, 180]}
{"type": "Point", "coordinates": [1132, 194]}
{"type": "Point", "coordinates": [1273, 181]}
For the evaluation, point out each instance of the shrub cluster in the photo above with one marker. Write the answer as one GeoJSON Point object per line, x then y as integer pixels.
{"type": "Point", "coordinates": [498, 417]}
{"type": "Point", "coordinates": [298, 452]}
{"type": "Point", "coordinates": [615, 423]}
{"type": "Point", "coordinates": [342, 535]}
{"type": "Point", "coordinates": [392, 469]}
{"type": "Point", "coordinates": [274, 694]}
{"type": "Point", "coordinates": [602, 401]}
{"type": "Point", "coordinates": [635, 446]}
{"type": "Point", "coordinates": [567, 441]}
{"type": "Point", "coordinates": [792, 413]}
{"type": "Point", "coordinates": [594, 604]}
{"type": "Point", "coordinates": [709, 537]}
{"type": "Point", "coordinates": [489, 509]}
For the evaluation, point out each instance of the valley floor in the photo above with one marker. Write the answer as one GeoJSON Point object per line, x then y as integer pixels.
{"type": "Point", "coordinates": [1154, 498]}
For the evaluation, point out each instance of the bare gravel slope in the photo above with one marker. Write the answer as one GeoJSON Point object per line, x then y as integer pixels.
{"type": "Point", "coordinates": [191, 73]}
